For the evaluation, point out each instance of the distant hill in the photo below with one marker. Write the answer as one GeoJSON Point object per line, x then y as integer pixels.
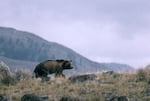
{"type": "Point", "coordinates": [24, 49]}
{"type": "Point", "coordinates": [147, 66]}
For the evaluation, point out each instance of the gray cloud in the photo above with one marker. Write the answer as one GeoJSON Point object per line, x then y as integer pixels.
{"type": "Point", "coordinates": [113, 31]}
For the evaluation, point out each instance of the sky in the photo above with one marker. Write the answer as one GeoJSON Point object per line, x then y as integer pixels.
{"type": "Point", "coordinates": [101, 30]}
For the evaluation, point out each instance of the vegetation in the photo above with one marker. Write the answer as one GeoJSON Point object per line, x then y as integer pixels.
{"type": "Point", "coordinates": [8, 80]}
{"type": "Point", "coordinates": [132, 85]}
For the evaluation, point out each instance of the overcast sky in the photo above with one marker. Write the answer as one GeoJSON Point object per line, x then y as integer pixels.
{"type": "Point", "coordinates": [101, 30]}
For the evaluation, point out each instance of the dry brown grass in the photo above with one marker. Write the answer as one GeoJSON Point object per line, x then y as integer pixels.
{"type": "Point", "coordinates": [123, 85]}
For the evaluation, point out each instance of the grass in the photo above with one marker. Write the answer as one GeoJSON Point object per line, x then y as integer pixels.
{"type": "Point", "coordinates": [123, 85]}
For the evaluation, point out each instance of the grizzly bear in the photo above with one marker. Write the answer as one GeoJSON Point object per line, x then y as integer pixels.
{"type": "Point", "coordinates": [52, 66]}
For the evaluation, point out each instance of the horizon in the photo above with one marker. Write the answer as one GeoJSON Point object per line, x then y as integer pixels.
{"type": "Point", "coordinates": [102, 31]}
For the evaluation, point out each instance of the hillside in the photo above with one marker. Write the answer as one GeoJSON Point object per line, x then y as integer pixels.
{"type": "Point", "coordinates": [20, 48]}
{"type": "Point", "coordinates": [89, 87]}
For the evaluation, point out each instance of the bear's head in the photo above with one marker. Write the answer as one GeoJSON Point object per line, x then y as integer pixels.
{"type": "Point", "coordinates": [67, 64]}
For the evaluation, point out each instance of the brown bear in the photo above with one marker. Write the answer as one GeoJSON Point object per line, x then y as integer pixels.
{"type": "Point", "coordinates": [52, 66]}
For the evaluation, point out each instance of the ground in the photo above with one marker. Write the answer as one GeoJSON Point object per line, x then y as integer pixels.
{"type": "Point", "coordinates": [125, 84]}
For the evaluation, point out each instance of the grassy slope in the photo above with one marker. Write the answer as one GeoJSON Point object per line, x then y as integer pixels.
{"type": "Point", "coordinates": [123, 85]}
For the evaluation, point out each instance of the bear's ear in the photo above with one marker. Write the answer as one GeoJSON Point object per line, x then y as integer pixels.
{"type": "Point", "coordinates": [60, 60]}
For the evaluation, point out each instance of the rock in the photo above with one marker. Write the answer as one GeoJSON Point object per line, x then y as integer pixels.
{"type": "Point", "coordinates": [44, 97]}
{"type": "Point", "coordinates": [146, 92]}
{"type": "Point", "coordinates": [112, 96]}
{"type": "Point", "coordinates": [110, 73]}
{"type": "Point", "coordinates": [4, 70]}
{"type": "Point", "coordinates": [4, 97]}
{"type": "Point", "coordinates": [119, 98]}
{"type": "Point", "coordinates": [33, 97]}
{"type": "Point", "coordinates": [68, 98]}
{"type": "Point", "coordinates": [109, 95]}
{"type": "Point", "coordinates": [82, 78]}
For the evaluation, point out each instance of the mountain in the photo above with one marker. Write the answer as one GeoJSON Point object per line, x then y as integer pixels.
{"type": "Point", "coordinates": [147, 67]}
{"type": "Point", "coordinates": [118, 66]}
{"type": "Point", "coordinates": [24, 49]}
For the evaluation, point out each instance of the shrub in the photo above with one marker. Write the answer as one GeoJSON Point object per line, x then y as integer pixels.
{"type": "Point", "coordinates": [142, 75]}
{"type": "Point", "coordinates": [22, 74]}
{"type": "Point", "coordinates": [9, 81]}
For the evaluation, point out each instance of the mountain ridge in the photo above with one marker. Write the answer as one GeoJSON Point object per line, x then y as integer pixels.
{"type": "Point", "coordinates": [26, 46]}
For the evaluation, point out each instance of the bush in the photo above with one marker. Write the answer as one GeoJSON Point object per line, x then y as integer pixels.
{"type": "Point", "coordinates": [142, 75]}
{"type": "Point", "coordinates": [22, 74]}
{"type": "Point", "coordinates": [9, 81]}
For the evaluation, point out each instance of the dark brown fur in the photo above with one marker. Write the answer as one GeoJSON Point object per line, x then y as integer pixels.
{"type": "Point", "coordinates": [52, 66]}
